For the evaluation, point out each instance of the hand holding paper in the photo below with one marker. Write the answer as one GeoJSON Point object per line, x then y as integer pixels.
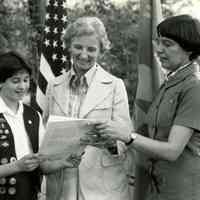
{"type": "Point", "coordinates": [62, 138]}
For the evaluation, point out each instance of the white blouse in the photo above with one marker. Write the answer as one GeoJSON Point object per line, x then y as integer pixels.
{"type": "Point", "coordinates": [16, 122]}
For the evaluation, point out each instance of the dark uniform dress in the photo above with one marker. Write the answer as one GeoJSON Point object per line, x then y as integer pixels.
{"type": "Point", "coordinates": [177, 103]}
{"type": "Point", "coordinates": [24, 185]}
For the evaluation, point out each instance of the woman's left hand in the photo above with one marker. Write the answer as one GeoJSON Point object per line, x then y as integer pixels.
{"type": "Point", "coordinates": [110, 130]}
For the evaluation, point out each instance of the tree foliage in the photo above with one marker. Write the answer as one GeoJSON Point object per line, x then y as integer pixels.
{"type": "Point", "coordinates": [22, 23]}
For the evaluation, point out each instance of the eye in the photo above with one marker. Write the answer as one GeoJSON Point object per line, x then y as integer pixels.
{"type": "Point", "coordinates": [92, 49]}
{"type": "Point", "coordinates": [167, 43]}
{"type": "Point", "coordinates": [15, 80]}
{"type": "Point", "coordinates": [77, 46]}
{"type": "Point", "coordinates": [27, 80]}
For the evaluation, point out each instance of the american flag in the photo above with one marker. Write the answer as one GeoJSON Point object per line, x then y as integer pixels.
{"type": "Point", "coordinates": [54, 57]}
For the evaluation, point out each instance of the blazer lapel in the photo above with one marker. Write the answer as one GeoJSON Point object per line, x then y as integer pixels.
{"type": "Point", "coordinates": [100, 88]}
{"type": "Point", "coordinates": [60, 93]}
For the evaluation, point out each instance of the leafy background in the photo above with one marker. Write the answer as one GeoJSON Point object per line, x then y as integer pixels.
{"type": "Point", "coordinates": [22, 23]}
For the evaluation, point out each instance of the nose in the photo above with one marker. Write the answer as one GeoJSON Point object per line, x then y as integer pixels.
{"type": "Point", "coordinates": [84, 54]}
{"type": "Point", "coordinates": [159, 47]}
{"type": "Point", "coordinates": [22, 85]}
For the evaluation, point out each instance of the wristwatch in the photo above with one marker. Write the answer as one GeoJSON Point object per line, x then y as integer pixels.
{"type": "Point", "coordinates": [132, 137]}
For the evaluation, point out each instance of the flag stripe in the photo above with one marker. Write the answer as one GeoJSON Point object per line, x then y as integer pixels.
{"type": "Point", "coordinates": [42, 83]}
{"type": "Point", "coordinates": [40, 95]}
{"type": "Point", "coordinates": [46, 69]}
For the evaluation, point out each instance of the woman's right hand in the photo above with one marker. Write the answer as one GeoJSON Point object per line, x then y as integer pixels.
{"type": "Point", "coordinates": [28, 163]}
{"type": "Point", "coordinates": [73, 161]}
{"type": "Point", "coordinates": [54, 164]}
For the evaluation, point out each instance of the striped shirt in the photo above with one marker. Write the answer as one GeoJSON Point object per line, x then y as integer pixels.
{"type": "Point", "coordinates": [78, 88]}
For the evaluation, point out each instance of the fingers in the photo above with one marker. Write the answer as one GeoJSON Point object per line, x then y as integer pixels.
{"type": "Point", "coordinates": [97, 122]}
{"type": "Point", "coordinates": [31, 166]}
{"type": "Point", "coordinates": [73, 161]}
{"type": "Point", "coordinates": [29, 162]}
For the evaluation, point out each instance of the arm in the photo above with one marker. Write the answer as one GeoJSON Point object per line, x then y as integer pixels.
{"type": "Point", "coordinates": [50, 166]}
{"type": "Point", "coordinates": [170, 150]}
{"type": "Point", "coordinates": [26, 164]}
{"type": "Point", "coordinates": [120, 105]}
{"type": "Point", "coordinates": [187, 116]}
{"type": "Point", "coordinates": [120, 113]}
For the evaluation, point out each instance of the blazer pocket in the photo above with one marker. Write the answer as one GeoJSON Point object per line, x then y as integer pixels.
{"type": "Point", "coordinates": [171, 109]}
{"type": "Point", "coordinates": [114, 173]}
{"type": "Point", "coordinates": [101, 111]}
{"type": "Point", "coordinates": [110, 160]}
{"type": "Point", "coordinates": [103, 106]}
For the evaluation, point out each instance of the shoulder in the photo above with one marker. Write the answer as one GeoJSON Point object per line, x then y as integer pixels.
{"type": "Point", "coordinates": [107, 76]}
{"type": "Point", "coordinates": [59, 79]}
{"type": "Point", "coordinates": [192, 82]}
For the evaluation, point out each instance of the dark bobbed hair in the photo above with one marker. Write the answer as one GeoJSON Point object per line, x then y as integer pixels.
{"type": "Point", "coordinates": [183, 29]}
{"type": "Point", "coordinates": [10, 64]}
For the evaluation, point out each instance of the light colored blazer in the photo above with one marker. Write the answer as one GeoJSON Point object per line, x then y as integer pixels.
{"type": "Point", "coordinates": [102, 175]}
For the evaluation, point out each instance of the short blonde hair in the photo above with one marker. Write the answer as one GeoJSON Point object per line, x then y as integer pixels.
{"type": "Point", "coordinates": [87, 26]}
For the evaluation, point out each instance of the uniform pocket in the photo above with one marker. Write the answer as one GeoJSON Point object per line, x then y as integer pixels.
{"type": "Point", "coordinates": [167, 110]}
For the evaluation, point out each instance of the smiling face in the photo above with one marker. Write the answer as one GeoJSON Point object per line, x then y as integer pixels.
{"type": "Point", "coordinates": [85, 51]}
{"type": "Point", "coordinates": [15, 87]}
{"type": "Point", "coordinates": [171, 54]}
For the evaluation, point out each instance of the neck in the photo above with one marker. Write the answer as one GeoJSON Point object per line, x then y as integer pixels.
{"type": "Point", "coordinates": [79, 72]}
{"type": "Point", "coordinates": [13, 105]}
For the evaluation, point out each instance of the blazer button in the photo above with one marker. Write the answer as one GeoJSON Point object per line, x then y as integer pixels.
{"type": "Point", "coordinates": [2, 190]}
{"type": "Point", "coordinates": [11, 191]}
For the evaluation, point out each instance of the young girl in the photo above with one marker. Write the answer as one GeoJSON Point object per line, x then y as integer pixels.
{"type": "Point", "coordinates": [20, 127]}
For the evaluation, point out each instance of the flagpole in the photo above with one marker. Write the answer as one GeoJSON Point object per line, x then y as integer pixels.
{"type": "Point", "coordinates": [148, 83]}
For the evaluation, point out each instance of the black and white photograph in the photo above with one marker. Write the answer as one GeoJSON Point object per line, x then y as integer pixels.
{"type": "Point", "coordinates": [99, 99]}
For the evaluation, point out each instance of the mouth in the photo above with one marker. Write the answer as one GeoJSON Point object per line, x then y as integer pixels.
{"type": "Point", "coordinates": [20, 93]}
{"type": "Point", "coordinates": [162, 59]}
{"type": "Point", "coordinates": [82, 63]}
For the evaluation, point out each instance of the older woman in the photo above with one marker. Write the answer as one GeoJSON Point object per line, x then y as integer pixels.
{"type": "Point", "coordinates": [174, 116]}
{"type": "Point", "coordinates": [88, 91]}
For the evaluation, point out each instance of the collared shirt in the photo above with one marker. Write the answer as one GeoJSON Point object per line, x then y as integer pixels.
{"type": "Point", "coordinates": [178, 102]}
{"type": "Point", "coordinates": [77, 95]}
{"type": "Point", "coordinates": [16, 123]}
{"type": "Point", "coordinates": [170, 74]}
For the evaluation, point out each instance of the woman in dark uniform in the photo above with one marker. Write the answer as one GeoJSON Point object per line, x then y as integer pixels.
{"type": "Point", "coordinates": [20, 132]}
{"type": "Point", "coordinates": [173, 120]}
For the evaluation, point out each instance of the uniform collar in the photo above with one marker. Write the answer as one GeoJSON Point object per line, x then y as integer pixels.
{"type": "Point", "coordinates": [6, 110]}
{"type": "Point", "coordinates": [180, 74]}
{"type": "Point", "coordinates": [170, 74]}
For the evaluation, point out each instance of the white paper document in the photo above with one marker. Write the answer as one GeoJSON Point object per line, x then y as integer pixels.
{"type": "Point", "coordinates": [63, 135]}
